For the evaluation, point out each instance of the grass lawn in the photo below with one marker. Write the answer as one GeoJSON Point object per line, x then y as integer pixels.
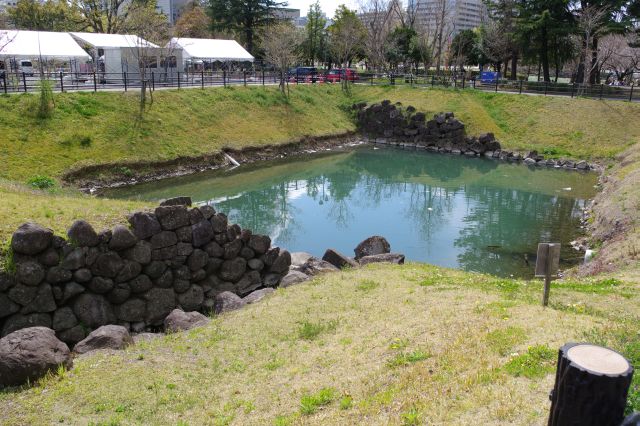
{"type": "Point", "coordinates": [57, 210]}
{"type": "Point", "coordinates": [410, 344]}
{"type": "Point", "coordinates": [89, 128]}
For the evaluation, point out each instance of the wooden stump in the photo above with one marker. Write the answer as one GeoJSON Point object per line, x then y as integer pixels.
{"type": "Point", "coordinates": [591, 386]}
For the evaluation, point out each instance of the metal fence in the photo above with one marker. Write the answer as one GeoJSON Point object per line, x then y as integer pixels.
{"type": "Point", "coordinates": [594, 91]}
{"type": "Point", "coordinates": [67, 82]}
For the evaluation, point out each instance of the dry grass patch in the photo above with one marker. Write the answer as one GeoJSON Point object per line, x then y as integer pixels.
{"type": "Point", "coordinates": [397, 353]}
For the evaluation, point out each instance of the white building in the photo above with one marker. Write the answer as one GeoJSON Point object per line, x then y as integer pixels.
{"type": "Point", "coordinates": [459, 15]}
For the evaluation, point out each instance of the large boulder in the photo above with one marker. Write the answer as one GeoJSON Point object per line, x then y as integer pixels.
{"type": "Point", "coordinates": [233, 270]}
{"type": "Point", "coordinates": [106, 337]}
{"type": "Point", "coordinates": [28, 354]}
{"type": "Point", "coordinates": [298, 258]}
{"type": "Point", "coordinates": [315, 266]}
{"type": "Point", "coordinates": [395, 258]}
{"type": "Point", "coordinates": [93, 310]}
{"type": "Point", "coordinates": [282, 263]}
{"type": "Point", "coordinates": [259, 243]}
{"type": "Point", "coordinates": [31, 238]}
{"type": "Point", "coordinates": [338, 260]}
{"type": "Point", "coordinates": [177, 201]}
{"type": "Point", "coordinates": [160, 302]}
{"type": "Point", "coordinates": [293, 278]}
{"type": "Point", "coordinates": [201, 233]}
{"type": "Point", "coordinates": [172, 217]}
{"type": "Point", "coordinates": [19, 321]}
{"type": "Point", "coordinates": [179, 320]}
{"type": "Point", "coordinates": [82, 234]}
{"type": "Point", "coordinates": [227, 301]}
{"type": "Point", "coordinates": [144, 224]}
{"type": "Point", "coordinates": [257, 295]}
{"type": "Point", "coordinates": [372, 245]}
{"type": "Point", "coordinates": [30, 273]}
{"type": "Point", "coordinates": [122, 238]}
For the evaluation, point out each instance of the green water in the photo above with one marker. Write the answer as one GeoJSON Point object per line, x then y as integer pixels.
{"type": "Point", "coordinates": [474, 214]}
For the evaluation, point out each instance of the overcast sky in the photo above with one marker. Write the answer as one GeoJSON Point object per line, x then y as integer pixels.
{"type": "Point", "coordinates": [328, 6]}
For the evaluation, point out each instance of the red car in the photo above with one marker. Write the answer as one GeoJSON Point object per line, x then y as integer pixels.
{"type": "Point", "coordinates": [338, 74]}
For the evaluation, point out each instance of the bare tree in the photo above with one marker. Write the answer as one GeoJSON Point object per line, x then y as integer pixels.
{"type": "Point", "coordinates": [494, 45]}
{"type": "Point", "coordinates": [590, 22]}
{"type": "Point", "coordinates": [280, 44]}
{"type": "Point", "coordinates": [377, 17]}
{"type": "Point", "coordinates": [150, 28]}
{"type": "Point", "coordinates": [104, 16]}
{"type": "Point", "coordinates": [347, 38]}
{"type": "Point", "coordinates": [432, 19]}
{"type": "Point", "coordinates": [617, 55]}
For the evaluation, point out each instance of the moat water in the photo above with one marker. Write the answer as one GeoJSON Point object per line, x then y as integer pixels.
{"type": "Point", "coordinates": [474, 214]}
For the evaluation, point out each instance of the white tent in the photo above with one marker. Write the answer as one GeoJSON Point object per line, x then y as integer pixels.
{"type": "Point", "coordinates": [211, 49]}
{"type": "Point", "coordinates": [40, 44]}
{"type": "Point", "coordinates": [105, 41]}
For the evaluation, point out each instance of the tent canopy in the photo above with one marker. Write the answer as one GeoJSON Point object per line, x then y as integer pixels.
{"type": "Point", "coordinates": [46, 45]}
{"type": "Point", "coordinates": [206, 48]}
{"type": "Point", "coordinates": [112, 40]}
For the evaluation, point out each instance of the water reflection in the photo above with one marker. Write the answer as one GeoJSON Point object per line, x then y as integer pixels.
{"type": "Point", "coordinates": [475, 214]}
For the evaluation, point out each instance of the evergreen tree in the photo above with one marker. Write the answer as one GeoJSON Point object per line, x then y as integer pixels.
{"type": "Point", "coordinates": [314, 42]}
{"type": "Point", "coordinates": [244, 17]}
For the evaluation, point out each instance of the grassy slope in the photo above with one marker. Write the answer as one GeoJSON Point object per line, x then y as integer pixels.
{"type": "Point", "coordinates": [410, 344]}
{"type": "Point", "coordinates": [58, 210]}
{"type": "Point", "coordinates": [191, 122]}
{"type": "Point", "coordinates": [616, 220]}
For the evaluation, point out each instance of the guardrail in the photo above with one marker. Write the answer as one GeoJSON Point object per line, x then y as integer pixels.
{"type": "Point", "coordinates": [66, 82]}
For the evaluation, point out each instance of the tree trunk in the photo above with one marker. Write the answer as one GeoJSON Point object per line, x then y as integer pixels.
{"type": "Point", "coordinates": [544, 55]}
{"type": "Point", "coordinates": [591, 386]}
{"type": "Point", "coordinates": [514, 65]}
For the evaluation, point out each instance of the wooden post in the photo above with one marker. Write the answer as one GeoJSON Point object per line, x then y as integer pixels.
{"type": "Point", "coordinates": [592, 383]}
{"type": "Point", "coordinates": [547, 263]}
{"type": "Point", "coordinates": [24, 82]}
{"type": "Point", "coordinates": [124, 78]}
{"type": "Point", "coordinates": [601, 90]}
{"type": "Point", "coordinates": [61, 82]}
{"type": "Point", "coordinates": [631, 93]}
{"type": "Point", "coordinates": [95, 82]}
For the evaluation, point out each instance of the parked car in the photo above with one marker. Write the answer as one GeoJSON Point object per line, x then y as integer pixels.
{"type": "Point", "coordinates": [338, 74]}
{"type": "Point", "coordinates": [305, 75]}
{"type": "Point", "coordinates": [25, 66]}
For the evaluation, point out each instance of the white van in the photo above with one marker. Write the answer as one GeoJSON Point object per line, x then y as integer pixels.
{"type": "Point", "coordinates": [25, 66]}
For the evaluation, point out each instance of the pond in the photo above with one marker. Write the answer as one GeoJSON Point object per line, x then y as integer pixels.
{"type": "Point", "coordinates": [474, 214]}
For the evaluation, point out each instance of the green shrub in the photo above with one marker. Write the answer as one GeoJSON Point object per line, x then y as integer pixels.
{"type": "Point", "coordinates": [41, 182]}
{"type": "Point", "coordinates": [46, 103]}
{"type": "Point", "coordinates": [310, 331]}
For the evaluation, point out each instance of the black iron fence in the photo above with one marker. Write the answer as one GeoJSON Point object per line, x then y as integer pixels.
{"type": "Point", "coordinates": [67, 82]}
{"type": "Point", "coordinates": [593, 91]}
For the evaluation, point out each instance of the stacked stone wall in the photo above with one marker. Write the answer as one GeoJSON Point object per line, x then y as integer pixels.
{"type": "Point", "coordinates": [135, 275]}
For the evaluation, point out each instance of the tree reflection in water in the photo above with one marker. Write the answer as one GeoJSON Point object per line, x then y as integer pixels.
{"type": "Point", "coordinates": [475, 214]}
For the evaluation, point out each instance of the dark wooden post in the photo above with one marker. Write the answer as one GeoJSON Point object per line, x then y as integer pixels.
{"type": "Point", "coordinates": [202, 78]}
{"type": "Point", "coordinates": [153, 81]}
{"type": "Point", "coordinates": [24, 82]}
{"type": "Point", "coordinates": [224, 78]}
{"type": "Point", "coordinates": [521, 83]}
{"type": "Point", "coordinates": [601, 90]}
{"type": "Point", "coordinates": [546, 87]}
{"type": "Point", "coordinates": [61, 83]}
{"type": "Point", "coordinates": [630, 93]}
{"type": "Point", "coordinates": [496, 82]}
{"type": "Point", "coordinates": [547, 263]}
{"type": "Point", "coordinates": [124, 78]}
{"type": "Point", "coordinates": [244, 76]}
{"type": "Point", "coordinates": [4, 83]}
{"type": "Point", "coordinates": [591, 386]}
{"type": "Point", "coordinates": [95, 82]}
{"type": "Point", "coordinates": [179, 79]}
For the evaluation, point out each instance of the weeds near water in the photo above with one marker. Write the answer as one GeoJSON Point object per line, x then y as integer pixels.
{"type": "Point", "coordinates": [407, 358]}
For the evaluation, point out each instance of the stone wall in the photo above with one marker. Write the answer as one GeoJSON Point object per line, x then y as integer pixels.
{"type": "Point", "coordinates": [392, 124]}
{"type": "Point", "coordinates": [132, 275]}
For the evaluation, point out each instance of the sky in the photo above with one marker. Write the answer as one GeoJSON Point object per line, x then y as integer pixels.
{"type": "Point", "coordinates": [328, 6]}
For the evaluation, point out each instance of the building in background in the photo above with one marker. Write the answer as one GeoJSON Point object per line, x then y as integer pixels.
{"type": "Point", "coordinates": [171, 8]}
{"type": "Point", "coordinates": [287, 14]}
{"type": "Point", "coordinates": [459, 15]}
